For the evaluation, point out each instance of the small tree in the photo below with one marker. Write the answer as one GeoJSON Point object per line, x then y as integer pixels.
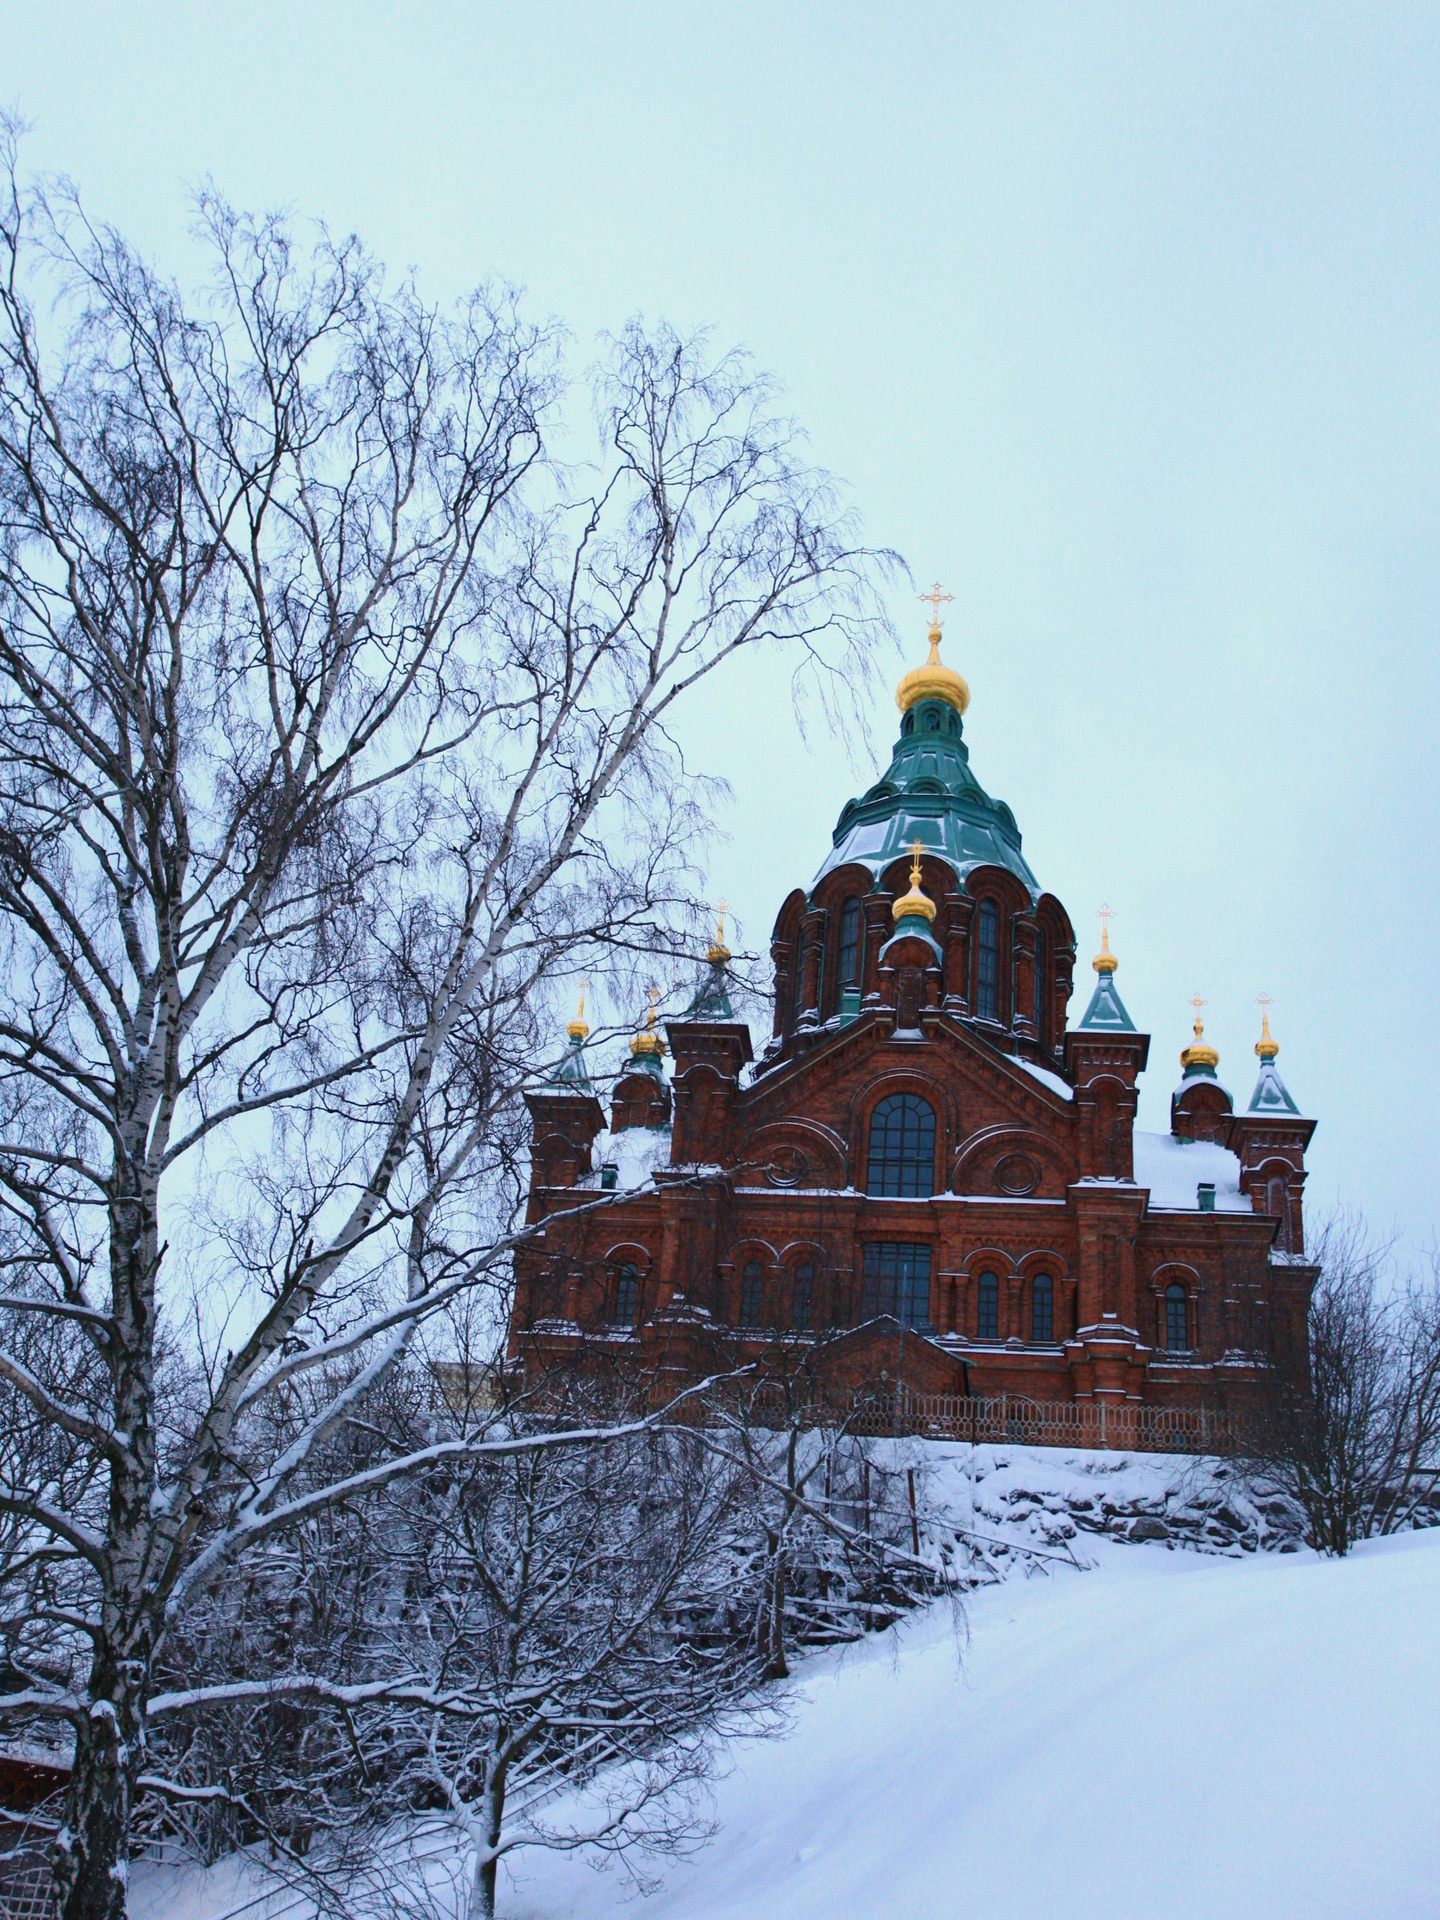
{"type": "Point", "coordinates": [334, 719]}
{"type": "Point", "coordinates": [1348, 1419]}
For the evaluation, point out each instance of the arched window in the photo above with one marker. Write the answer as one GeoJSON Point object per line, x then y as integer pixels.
{"type": "Point", "coordinates": [627, 1295]}
{"type": "Point", "coordinates": [851, 944]}
{"type": "Point", "coordinates": [987, 961]}
{"type": "Point", "coordinates": [1177, 1333]}
{"type": "Point", "coordinates": [1042, 1308]}
{"type": "Point", "coordinates": [902, 1148]}
{"type": "Point", "coordinates": [751, 1284]}
{"type": "Point", "coordinates": [802, 1299]}
{"type": "Point", "coordinates": [1040, 986]}
{"type": "Point", "coordinates": [987, 1309]}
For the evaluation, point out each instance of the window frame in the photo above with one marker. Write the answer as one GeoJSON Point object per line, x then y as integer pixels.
{"type": "Point", "coordinates": [627, 1276]}
{"type": "Point", "coordinates": [802, 1284]}
{"type": "Point", "coordinates": [1176, 1297]}
{"type": "Point", "coordinates": [1042, 1286]}
{"type": "Point", "coordinates": [852, 941]}
{"type": "Point", "coordinates": [912, 1177]}
{"type": "Point", "coordinates": [750, 1311]}
{"type": "Point", "coordinates": [987, 1295]}
{"type": "Point", "coordinates": [987, 914]}
{"type": "Point", "coordinates": [897, 1291]}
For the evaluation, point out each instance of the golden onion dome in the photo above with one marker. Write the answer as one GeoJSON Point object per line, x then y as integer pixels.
{"type": "Point", "coordinates": [913, 902]}
{"type": "Point", "coordinates": [1197, 1054]}
{"type": "Point", "coordinates": [933, 681]}
{"type": "Point", "coordinates": [717, 953]}
{"type": "Point", "coordinates": [1267, 1046]}
{"type": "Point", "coordinates": [648, 1040]}
{"type": "Point", "coordinates": [577, 1028]}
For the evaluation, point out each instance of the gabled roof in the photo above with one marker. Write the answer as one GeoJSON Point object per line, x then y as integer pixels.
{"type": "Point", "coordinates": [1271, 1095]}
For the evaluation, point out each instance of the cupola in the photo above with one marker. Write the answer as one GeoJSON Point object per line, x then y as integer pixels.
{"type": "Point", "coordinates": [934, 680]}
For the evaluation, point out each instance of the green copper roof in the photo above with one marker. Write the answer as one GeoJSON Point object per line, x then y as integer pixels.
{"type": "Point", "coordinates": [1271, 1094]}
{"type": "Point", "coordinates": [929, 794]}
{"type": "Point", "coordinates": [712, 996]}
{"type": "Point", "coordinates": [572, 1071]}
{"type": "Point", "coordinates": [1106, 1011]}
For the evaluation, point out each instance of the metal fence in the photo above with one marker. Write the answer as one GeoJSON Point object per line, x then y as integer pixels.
{"type": "Point", "coordinates": [1122, 1425]}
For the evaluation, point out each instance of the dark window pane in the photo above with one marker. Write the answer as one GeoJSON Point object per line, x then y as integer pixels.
{"type": "Point", "coordinates": [850, 944]}
{"type": "Point", "coordinates": [896, 1280]}
{"type": "Point", "coordinates": [1042, 1308]}
{"type": "Point", "coordinates": [987, 1315]}
{"type": "Point", "coordinates": [627, 1295]}
{"type": "Point", "coordinates": [802, 1306]}
{"type": "Point", "coordinates": [902, 1148]}
{"type": "Point", "coordinates": [750, 1288]}
{"type": "Point", "coordinates": [1177, 1337]}
{"type": "Point", "coordinates": [987, 965]}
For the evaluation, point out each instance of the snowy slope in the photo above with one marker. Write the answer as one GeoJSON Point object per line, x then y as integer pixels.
{"type": "Point", "coordinates": [1167, 1735]}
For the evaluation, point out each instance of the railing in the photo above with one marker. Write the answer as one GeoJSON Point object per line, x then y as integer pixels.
{"type": "Point", "coordinates": [1121, 1425]}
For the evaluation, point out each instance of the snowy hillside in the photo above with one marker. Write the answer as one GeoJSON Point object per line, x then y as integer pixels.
{"type": "Point", "coordinates": [1168, 1734]}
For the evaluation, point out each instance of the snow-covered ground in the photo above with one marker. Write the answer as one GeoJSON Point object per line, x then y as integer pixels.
{"type": "Point", "coordinates": [1168, 1733]}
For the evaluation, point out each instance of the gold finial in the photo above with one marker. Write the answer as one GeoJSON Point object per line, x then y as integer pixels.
{"type": "Point", "coordinates": [577, 1028]}
{"type": "Point", "coordinates": [1105, 961]}
{"type": "Point", "coordinates": [914, 902]}
{"type": "Point", "coordinates": [936, 600]}
{"type": "Point", "coordinates": [1197, 1054]}
{"type": "Point", "coordinates": [933, 681]}
{"type": "Point", "coordinates": [717, 953]}
{"type": "Point", "coordinates": [1266, 1047]}
{"type": "Point", "coordinates": [649, 1042]}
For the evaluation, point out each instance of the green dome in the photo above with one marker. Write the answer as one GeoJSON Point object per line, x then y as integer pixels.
{"type": "Point", "coordinates": [929, 794]}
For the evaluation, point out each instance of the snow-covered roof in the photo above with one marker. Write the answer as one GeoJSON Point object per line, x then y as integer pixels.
{"type": "Point", "coordinates": [634, 1152]}
{"type": "Point", "coordinates": [1047, 1078]}
{"type": "Point", "coordinates": [1173, 1170]}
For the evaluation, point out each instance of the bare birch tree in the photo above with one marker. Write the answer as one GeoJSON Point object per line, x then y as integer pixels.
{"type": "Point", "coordinates": [334, 729]}
{"type": "Point", "coordinates": [1348, 1419]}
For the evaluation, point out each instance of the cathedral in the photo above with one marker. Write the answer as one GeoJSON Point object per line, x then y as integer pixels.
{"type": "Point", "coordinates": [927, 1165]}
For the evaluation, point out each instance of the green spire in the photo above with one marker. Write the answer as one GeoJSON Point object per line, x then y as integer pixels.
{"type": "Point", "coordinates": [572, 1071]}
{"type": "Point", "coordinates": [1106, 1011]}
{"type": "Point", "coordinates": [1271, 1095]}
{"type": "Point", "coordinates": [712, 995]}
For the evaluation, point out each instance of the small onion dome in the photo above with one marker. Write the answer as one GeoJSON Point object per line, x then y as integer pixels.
{"type": "Point", "coordinates": [914, 903]}
{"type": "Point", "coordinates": [1197, 1054]}
{"type": "Point", "coordinates": [1267, 1046]}
{"type": "Point", "coordinates": [933, 681]}
{"type": "Point", "coordinates": [648, 1041]}
{"type": "Point", "coordinates": [1105, 961]}
{"type": "Point", "coordinates": [717, 953]}
{"type": "Point", "coordinates": [577, 1028]}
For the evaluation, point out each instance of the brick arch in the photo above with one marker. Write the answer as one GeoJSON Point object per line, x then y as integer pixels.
{"type": "Point", "coordinates": [1161, 1280]}
{"type": "Point", "coordinates": [862, 1111]}
{"type": "Point", "coordinates": [979, 1164]}
{"type": "Point", "coordinates": [821, 1146]}
{"type": "Point", "coordinates": [986, 1260]}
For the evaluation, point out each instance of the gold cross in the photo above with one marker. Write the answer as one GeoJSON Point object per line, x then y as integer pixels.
{"type": "Point", "coordinates": [917, 847]}
{"type": "Point", "coordinates": [1105, 915]}
{"type": "Point", "coordinates": [654, 993]}
{"type": "Point", "coordinates": [1197, 1003]}
{"type": "Point", "coordinates": [584, 988]}
{"type": "Point", "coordinates": [1265, 1003]}
{"type": "Point", "coordinates": [722, 907]}
{"type": "Point", "coordinates": [936, 600]}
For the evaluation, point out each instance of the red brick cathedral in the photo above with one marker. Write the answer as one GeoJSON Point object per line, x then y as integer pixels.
{"type": "Point", "coordinates": [925, 1143]}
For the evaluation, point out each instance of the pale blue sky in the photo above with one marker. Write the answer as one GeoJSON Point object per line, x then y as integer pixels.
{"type": "Point", "coordinates": [1122, 320]}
